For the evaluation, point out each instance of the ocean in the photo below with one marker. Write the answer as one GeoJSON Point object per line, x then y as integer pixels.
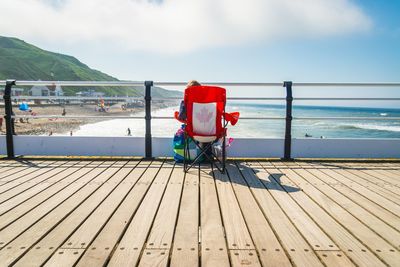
{"type": "Point", "coordinates": [267, 128]}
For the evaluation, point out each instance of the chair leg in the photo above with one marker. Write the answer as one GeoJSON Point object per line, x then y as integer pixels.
{"type": "Point", "coordinates": [184, 155]}
{"type": "Point", "coordinates": [223, 155]}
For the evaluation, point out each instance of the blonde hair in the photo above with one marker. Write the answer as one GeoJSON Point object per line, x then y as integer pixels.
{"type": "Point", "coordinates": [193, 83]}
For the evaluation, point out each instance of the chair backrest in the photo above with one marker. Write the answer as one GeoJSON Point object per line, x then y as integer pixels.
{"type": "Point", "coordinates": [205, 106]}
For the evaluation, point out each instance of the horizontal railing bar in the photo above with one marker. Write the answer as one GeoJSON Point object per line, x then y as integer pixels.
{"type": "Point", "coordinates": [346, 118]}
{"type": "Point", "coordinates": [122, 117]}
{"type": "Point", "coordinates": [77, 83]}
{"type": "Point", "coordinates": [294, 98]}
{"type": "Point", "coordinates": [222, 83]}
{"type": "Point", "coordinates": [74, 117]}
{"type": "Point", "coordinates": [76, 97]}
{"type": "Point", "coordinates": [228, 98]}
{"type": "Point", "coordinates": [346, 98]}
{"type": "Point", "coordinates": [170, 117]}
{"type": "Point", "coordinates": [180, 98]}
{"type": "Point", "coordinates": [241, 118]}
{"type": "Point", "coordinates": [161, 83]}
{"type": "Point", "coordinates": [394, 84]}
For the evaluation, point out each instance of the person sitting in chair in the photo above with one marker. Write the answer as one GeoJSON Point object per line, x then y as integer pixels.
{"type": "Point", "coordinates": [205, 119]}
{"type": "Point", "coordinates": [182, 109]}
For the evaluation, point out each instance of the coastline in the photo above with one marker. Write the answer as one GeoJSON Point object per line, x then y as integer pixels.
{"type": "Point", "coordinates": [49, 126]}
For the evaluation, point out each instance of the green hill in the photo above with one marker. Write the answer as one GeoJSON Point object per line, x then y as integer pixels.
{"type": "Point", "coordinates": [22, 61]}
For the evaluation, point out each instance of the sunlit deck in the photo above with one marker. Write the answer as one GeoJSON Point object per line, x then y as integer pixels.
{"type": "Point", "coordinates": [148, 213]}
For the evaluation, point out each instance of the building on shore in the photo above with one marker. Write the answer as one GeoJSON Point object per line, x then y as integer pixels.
{"type": "Point", "coordinates": [58, 91]}
{"type": "Point", "coordinates": [39, 90]}
{"type": "Point", "coordinates": [90, 93]}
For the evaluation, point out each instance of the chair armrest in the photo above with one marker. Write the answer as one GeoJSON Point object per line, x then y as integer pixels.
{"type": "Point", "coordinates": [232, 117]}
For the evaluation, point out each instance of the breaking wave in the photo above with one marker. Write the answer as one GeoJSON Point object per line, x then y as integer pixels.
{"type": "Point", "coordinates": [371, 127]}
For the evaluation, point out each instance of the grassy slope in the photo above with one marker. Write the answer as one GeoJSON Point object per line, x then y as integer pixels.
{"type": "Point", "coordinates": [22, 61]}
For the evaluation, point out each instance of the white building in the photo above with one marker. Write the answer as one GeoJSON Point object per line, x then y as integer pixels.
{"type": "Point", "coordinates": [58, 91]}
{"type": "Point", "coordinates": [90, 93]}
{"type": "Point", "coordinates": [39, 90]}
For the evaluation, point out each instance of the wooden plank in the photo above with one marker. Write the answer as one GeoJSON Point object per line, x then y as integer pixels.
{"type": "Point", "coordinates": [63, 258]}
{"type": "Point", "coordinates": [41, 221]}
{"type": "Point", "coordinates": [309, 229]}
{"type": "Point", "coordinates": [21, 174]}
{"type": "Point", "coordinates": [87, 231]}
{"type": "Point", "coordinates": [83, 236]}
{"type": "Point", "coordinates": [12, 170]}
{"type": "Point", "coordinates": [244, 258]}
{"type": "Point", "coordinates": [362, 201]}
{"type": "Point", "coordinates": [355, 250]}
{"type": "Point", "coordinates": [393, 171]}
{"type": "Point", "coordinates": [335, 258]}
{"type": "Point", "coordinates": [20, 188]}
{"type": "Point", "coordinates": [388, 176]}
{"type": "Point", "coordinates": [213, 244]}
{"type": "Point", "coordinates": [8, 217]}
{"type": "Point", "coordinates": [36, 189]}
{"type": "Point", "coordinates": [237, 234]}
{"type": "Point", "coordinates": [186, 238]}
{"type": "Point", "coordinates": [343, 177]}
{"type": "Point", "coordinates": [100, 249]}
{"type": "Point", "coordinates": [375, 182]}
{"type": "Point", "coordinates": [11, 189]}
{"type": "Point", "coordinates": [128, 250]}
{"type": "Point", "coordinates": [16, 166]}
{"type": "Point", "coordinates": [155, 258]}
{"type": "Point", "coordinates": [299, 251]}
{"type": "Point", "coordinates": [162, 231]}
{"type": "Point", "coordinates": [269, 249]}
{"type": "Point", "coordinates": [378, 226]}
{"type": "Point", "coordinates": [9, 162]}
{"type": "Point", "coordinates": [90, 217]}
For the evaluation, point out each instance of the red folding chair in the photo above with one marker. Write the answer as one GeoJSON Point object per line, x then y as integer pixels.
{"type": "Point", "coordinates": [206, 123]}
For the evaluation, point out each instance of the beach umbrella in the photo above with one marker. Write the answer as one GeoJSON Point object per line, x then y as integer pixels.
{"type": "Point", "coordinates": [24, 106]}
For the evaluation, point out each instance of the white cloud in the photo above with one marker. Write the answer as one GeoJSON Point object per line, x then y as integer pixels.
{"type": "Point", "coordinates": [178, 26]}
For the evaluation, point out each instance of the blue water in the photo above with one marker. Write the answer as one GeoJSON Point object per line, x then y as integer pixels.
{"type": "Point", "coordinates": [318, 128]}
{"type": "Point", "coordinates": [267, 128]}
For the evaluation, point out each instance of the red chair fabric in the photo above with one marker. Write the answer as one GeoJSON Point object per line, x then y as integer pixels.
{"type": "Point", "coordinates": [205, 94]}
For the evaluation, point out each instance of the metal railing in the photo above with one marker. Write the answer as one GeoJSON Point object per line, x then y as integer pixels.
{"type": "Point", "coordinates": [288, 85]}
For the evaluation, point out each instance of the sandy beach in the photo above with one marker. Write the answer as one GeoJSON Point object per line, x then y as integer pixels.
{"type": "Point", "coordinates": [46, 126]}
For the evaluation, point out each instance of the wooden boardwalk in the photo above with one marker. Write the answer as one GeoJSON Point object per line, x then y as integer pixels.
{"type": "Point", "coordinates": [149, 213]}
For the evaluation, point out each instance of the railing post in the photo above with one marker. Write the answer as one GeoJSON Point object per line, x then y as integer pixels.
{"type": "Point", "coordinates": [8, 119]}
{"type": "Point", "coordinates": [147, 98]}
{"type": "Point", "coordinates": [288, 127]}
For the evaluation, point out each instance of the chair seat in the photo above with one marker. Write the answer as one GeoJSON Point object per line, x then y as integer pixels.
{"type": "Point", "coordinates": [205, 139]}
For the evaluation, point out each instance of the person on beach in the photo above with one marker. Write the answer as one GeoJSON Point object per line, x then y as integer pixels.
{"type": "Point", "coordinates": [129, 132]}
{"type": "Point", "coordinates": [70, 133]}
{"type": "Point", "coordinates": [64, 112]}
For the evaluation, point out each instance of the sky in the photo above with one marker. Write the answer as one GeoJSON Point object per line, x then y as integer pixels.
{"type": "Point", "coordinates": [222, 40]}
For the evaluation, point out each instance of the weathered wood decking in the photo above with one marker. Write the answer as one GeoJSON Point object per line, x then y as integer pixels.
{"type": "Point", "coordinates": [128, 213]}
